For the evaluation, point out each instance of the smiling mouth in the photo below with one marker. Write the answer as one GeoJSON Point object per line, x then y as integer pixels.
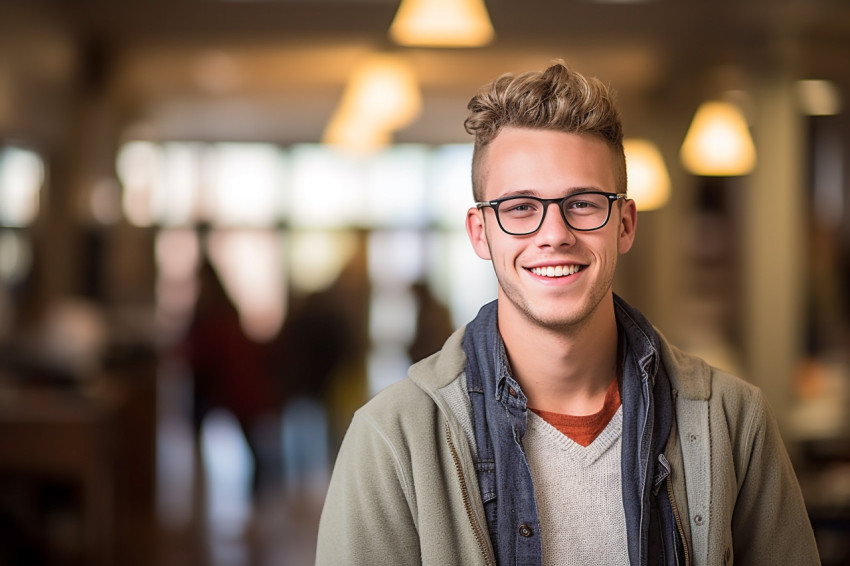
{"type": "Point", "coordinates": [556, 270]}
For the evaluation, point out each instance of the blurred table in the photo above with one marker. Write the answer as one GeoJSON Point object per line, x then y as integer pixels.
{"type": "Point", "coordinates": [99, 439]}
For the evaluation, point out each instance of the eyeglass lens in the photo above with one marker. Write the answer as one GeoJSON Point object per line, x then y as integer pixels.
{"type": "Point", "coordinates": [524, 215]}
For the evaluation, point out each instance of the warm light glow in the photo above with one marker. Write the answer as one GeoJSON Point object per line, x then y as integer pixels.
{"type": "Point", "coordinates": [442, 23]}
{"type": "Point", "coordinates": [718, 142]}
{"type": "Point", "coordinates": [21, 177]}
{"type": "Point", "coordinates": [249, 265]}
{"type": "Point", "coordinates": [318, 257]}
{"type": "Point", "coordinates": [382, 96]}
{"type": "Point", "coordinates": [176, 191]}
{"type": "Point", "coordinates": [327, 188]}
{"type": "Point", "coordinates": [245, 185]}
{"type": "Point", "coordinates": [354, 132]}
{"type": "Point", "coordinates": [649, 182]}
{"type": "Point", "coordinates": [139, 166]}
{"type": "Point", "coordinates": [819, 98]}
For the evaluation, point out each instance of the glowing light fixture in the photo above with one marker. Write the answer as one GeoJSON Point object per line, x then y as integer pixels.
{"type": "Point", "coordinates": [649, 182]}
{"type": "Point", "coordinates": [381, 97]}
{"type": "Point", "coordinates": [718, 143]}
{"type": "Point", "coordinates": [442, 23]}
{"type": "Point", "coordinates": [354, 132]}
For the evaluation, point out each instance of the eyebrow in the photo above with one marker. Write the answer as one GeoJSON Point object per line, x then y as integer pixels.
{"type": "Point", "coordinates": [535, 193]}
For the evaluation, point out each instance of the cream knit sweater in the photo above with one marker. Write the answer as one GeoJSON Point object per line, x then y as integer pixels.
{"type": "Point", "coordinates": [578, 492]}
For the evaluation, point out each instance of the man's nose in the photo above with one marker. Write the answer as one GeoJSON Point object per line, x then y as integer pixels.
{"type": "Point", "coordinates": [554, 230]}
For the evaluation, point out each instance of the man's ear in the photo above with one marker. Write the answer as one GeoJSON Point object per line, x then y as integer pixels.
{"type": "Point", "coordinates": [628, 225]}
{"type": "Point", "coordinates": [475, 231]}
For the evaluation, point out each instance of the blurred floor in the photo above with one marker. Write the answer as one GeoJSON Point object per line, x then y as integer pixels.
{"type": "Point", "coordinates": [207, 515]}
{"type": "Point", "coordinates": [282, 531]}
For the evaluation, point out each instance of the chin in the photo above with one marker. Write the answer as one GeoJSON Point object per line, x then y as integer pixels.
{"type": "Point", "coordinates": [561, 322]}
{"type": "Point", "coordinates": [552, 319]}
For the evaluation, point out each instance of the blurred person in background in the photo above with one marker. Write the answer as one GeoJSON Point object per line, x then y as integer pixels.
{"type": "Point", "coordinates": [230, 371]}
{"type": "Point", "coordinates": [320, 353]}
{"type": "Point", "coordinates": [433, 323]}
{"type": "Point", "coordinates": [559, 426]}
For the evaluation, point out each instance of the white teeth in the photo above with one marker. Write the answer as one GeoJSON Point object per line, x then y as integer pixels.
{"type": "Point", "coordinates": [555, 271]}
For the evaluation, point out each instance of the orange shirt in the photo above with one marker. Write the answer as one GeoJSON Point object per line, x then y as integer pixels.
{"type": "Point", "coordinates": [584, 429]}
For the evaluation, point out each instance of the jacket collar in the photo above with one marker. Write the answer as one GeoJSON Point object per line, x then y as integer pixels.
{"type": "Point", "coordinates": [689, 376]}
{"type": "Point", "coordinates": [440, 369]}
{"type": "Point", "coordinates": [641, 337]}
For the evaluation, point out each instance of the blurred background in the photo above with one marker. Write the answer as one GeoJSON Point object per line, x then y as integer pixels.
{"type": "Point", "coordinates": [225, 224]}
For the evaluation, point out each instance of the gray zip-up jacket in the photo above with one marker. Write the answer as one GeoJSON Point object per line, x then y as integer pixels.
{"type": "Point", "coordinates": [404, 487]}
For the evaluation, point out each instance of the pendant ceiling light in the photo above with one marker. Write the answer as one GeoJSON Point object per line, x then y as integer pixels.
{"type": "Point", "coordinates": [718, 143]}
{"type": "Point", "coordinates": [442, 23]}
{"type": "Point", "coordinates": [381, 96]}
{"type": "Point", "coordinates": [649, 182]}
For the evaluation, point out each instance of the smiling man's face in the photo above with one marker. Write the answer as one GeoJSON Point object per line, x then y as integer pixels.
{"type": "Point", "coordinates": [555, 277]}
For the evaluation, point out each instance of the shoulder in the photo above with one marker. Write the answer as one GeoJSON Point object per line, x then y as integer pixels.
{"type": "Point", "coordinates": [433, 386]}
{"type": "Point", "coordinates": [441, 369]}
{"type": "Point", "coordinates": [396, 410]}
{"type": "Point", "coordinates": [711, 397]}
{"type": "Point", "coordinates": [398, 433]}
{"type": "Point", "coordinates": [693, 378]}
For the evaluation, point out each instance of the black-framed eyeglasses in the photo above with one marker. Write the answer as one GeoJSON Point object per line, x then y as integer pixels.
{"type": "Point", "coordinates": [523, 215]}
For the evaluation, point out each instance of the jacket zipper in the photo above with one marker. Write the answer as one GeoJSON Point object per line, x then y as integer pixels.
{"type": "Point", "coordinates": [476, 528]}
{"type": "Point", "coordinates": [678, 521]}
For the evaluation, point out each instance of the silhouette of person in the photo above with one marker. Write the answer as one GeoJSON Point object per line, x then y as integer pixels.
{"type": "Point", "coordinates": [321, 351]}
{"type": "Point", "coordinates": [230, 370]}
{"type": "Point", "coordinates": [433, 323]}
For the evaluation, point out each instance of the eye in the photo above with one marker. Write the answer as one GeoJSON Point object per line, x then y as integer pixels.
{"type": "Point", "coordinates": [519, 207]}
{"type": "Point", "coordinates": [581, 205]}
{"type": "Point", "coordinates": [585, 203]}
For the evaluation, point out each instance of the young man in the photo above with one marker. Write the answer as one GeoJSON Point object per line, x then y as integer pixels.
{"type": "Point", "coordinates": [559, 427]}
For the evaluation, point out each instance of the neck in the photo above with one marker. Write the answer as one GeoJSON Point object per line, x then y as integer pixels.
{"type": "Point", "coordinates": [563, 370]}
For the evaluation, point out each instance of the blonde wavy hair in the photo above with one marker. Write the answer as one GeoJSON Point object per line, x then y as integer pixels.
{"type": "Point", "coordinates": [554, 99]}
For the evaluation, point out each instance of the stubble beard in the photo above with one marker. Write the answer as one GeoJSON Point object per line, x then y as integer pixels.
{"type": "Point", "coordinates": [569, 321]}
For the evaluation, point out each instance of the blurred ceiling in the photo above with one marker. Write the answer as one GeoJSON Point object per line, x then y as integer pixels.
{"type": "Point", "coordinates": [275, 69]}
